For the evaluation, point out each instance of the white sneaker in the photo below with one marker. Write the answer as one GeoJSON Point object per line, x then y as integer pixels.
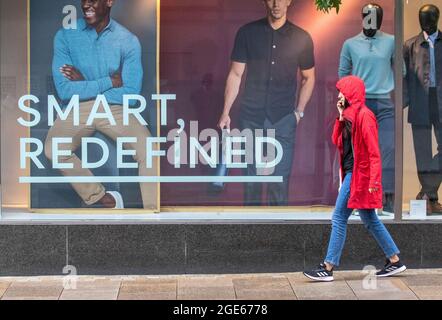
{"type": "Point", "coordinates": [119, 203]}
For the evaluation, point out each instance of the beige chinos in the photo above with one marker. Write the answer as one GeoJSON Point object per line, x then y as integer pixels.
{"type": "Point", "coordinates": [93, 192]}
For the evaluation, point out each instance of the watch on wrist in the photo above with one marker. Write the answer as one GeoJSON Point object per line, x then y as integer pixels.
{"type": "Point", "coordinates": [300, 114]}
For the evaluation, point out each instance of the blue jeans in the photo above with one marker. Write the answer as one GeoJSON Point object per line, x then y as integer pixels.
{"type": "Point", "coordinates": [339, 227]}
{"type": "Point", "coordinates": [384, 112]}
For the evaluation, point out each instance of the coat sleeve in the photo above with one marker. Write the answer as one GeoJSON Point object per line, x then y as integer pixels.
{"type": "Point", "coordinates": [337, 131]}
{"type": "Point", "coordinates": [370, 135]}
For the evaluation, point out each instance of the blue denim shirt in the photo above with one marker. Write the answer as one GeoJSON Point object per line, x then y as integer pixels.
{"type": "Point", "coordinates": [97, 57]}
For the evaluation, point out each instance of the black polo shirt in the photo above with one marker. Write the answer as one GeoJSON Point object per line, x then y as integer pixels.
{"type": "Point", "coordinates": [273, 58]}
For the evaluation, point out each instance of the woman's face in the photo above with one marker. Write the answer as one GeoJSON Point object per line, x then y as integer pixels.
{"type": "Point", "coordinates": [341, 99]}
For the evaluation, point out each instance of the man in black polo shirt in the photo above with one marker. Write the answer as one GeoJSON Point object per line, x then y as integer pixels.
{"type": "Point", "coordinates": [273, 50]}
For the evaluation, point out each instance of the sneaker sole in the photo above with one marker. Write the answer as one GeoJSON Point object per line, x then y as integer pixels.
{"type": "Point", "coordinates": [392, 273]}
{"type": "Point", "coordinates": [322, 279]}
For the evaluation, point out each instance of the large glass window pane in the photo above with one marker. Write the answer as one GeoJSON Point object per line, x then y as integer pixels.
{"type": "Point", "coordinates": [77, 107]}
{"type": "Point", "coordinates": [198, 42]}
{"type": "Point", "coordinates": [422, 169]}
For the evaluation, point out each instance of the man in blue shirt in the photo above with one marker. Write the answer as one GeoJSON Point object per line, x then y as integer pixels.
{"type": "Point", "coordinates": [370, 56]}
{"type": "Point", "coordinates": [99, 57]}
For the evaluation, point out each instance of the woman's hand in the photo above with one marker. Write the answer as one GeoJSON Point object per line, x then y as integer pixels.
{"type": "Point", "coordinates": [373, 190]}
{"type": "Point", "coordinates": [340, 106]}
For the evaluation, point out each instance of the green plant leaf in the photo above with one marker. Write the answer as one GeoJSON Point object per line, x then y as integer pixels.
{"type": "Point", "coordinates": [327, 5]}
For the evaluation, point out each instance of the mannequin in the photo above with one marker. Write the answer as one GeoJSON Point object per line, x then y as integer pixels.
{"type": "Point", "coordinates": [369, 56]}
{"type": "Point", "coordinates": [423, 95]}
{"type": "Point", "coordinates": [429, 18]}
{"type": "Point", "coordinates": [366, 10]}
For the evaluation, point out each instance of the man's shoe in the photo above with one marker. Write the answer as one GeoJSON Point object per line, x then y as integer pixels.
{"type": "Point", "coordinates": [423, 196]}
{"type": "Point", "coordinates": [119, 203]}
{"type": "Point", "coordinates": [436, 208]}
{"type": "Point", "coordinates": [320, 274]}
{"type": "Point", "coordinates": [388, 204]}
{"type": "Point", "coordinates": [388, 208]}
{"type": "Point", "coordinates": [391, 269]}
{"type": "Point", "coordinates": [420, 196]}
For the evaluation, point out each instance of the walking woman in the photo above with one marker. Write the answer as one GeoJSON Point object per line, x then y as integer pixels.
{"type": "Point", "coordinates": [356, 135]}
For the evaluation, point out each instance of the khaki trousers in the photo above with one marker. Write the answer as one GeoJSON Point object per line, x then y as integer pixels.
{"type": "Point", "coordinates": [93, 192]}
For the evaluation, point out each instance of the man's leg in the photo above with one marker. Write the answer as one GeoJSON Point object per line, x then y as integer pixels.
{"type": "Point", "coordinates": [435, 174]}
{"type": "Point", "coordinates": [285, 132]}
{"type": "Point", "coordinates": [252, 191]}
{"type": "Point", "coordinates": [424, 157]}
{"type": "Point", "coordinates": [339, 224]}
{"type": "Point", "coordinates": [385, 119]}
{"type": "Point", "coordinates": [384, 111]}
{"type": "Point", "coordinates": [436, 163]}
{"type": "Point", "coordinates": [89, 192]}
{"type": "Point", "coordinates": [149, 191]}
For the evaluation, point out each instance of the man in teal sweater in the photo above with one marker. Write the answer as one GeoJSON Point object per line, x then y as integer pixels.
{"type": "Point", "coordinates": [370, 56]}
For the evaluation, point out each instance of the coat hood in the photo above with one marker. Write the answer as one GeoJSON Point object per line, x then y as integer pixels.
{"type": "Point", "coordinates": [353, 89]}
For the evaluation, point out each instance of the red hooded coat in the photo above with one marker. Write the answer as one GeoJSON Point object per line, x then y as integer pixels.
{"type": "Point", "coordinates": [367, 166]}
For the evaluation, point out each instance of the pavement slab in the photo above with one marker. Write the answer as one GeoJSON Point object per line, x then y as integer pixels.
{"type": "Point", "coordinates": [4, 285]}
{"type": "Point", "coordinates": [264, 288]}
{"type": "Point", "coordinates": [206, 288]}
{"type": "Point", "coordinates": [381, 289]}
{"type": "Point", "coordinates": [92, 289]}
{"type": "Point", "coordinates": [306, 290]}
{"type": "Point", "coordinates": [34, 290]}
{"type": "Point", "coordinates": [148, 289]}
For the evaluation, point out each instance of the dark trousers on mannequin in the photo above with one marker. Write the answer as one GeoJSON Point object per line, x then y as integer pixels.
{"type": "Point", "coordinates": [429, 166]}
{"type": "Point", "coordinates": [384, 112]}
{"type": "Point", "coordinates": [277, 193]}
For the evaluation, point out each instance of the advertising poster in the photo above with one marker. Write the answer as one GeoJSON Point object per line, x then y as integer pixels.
{"type": "Point", "coordinates": [93, 69]}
